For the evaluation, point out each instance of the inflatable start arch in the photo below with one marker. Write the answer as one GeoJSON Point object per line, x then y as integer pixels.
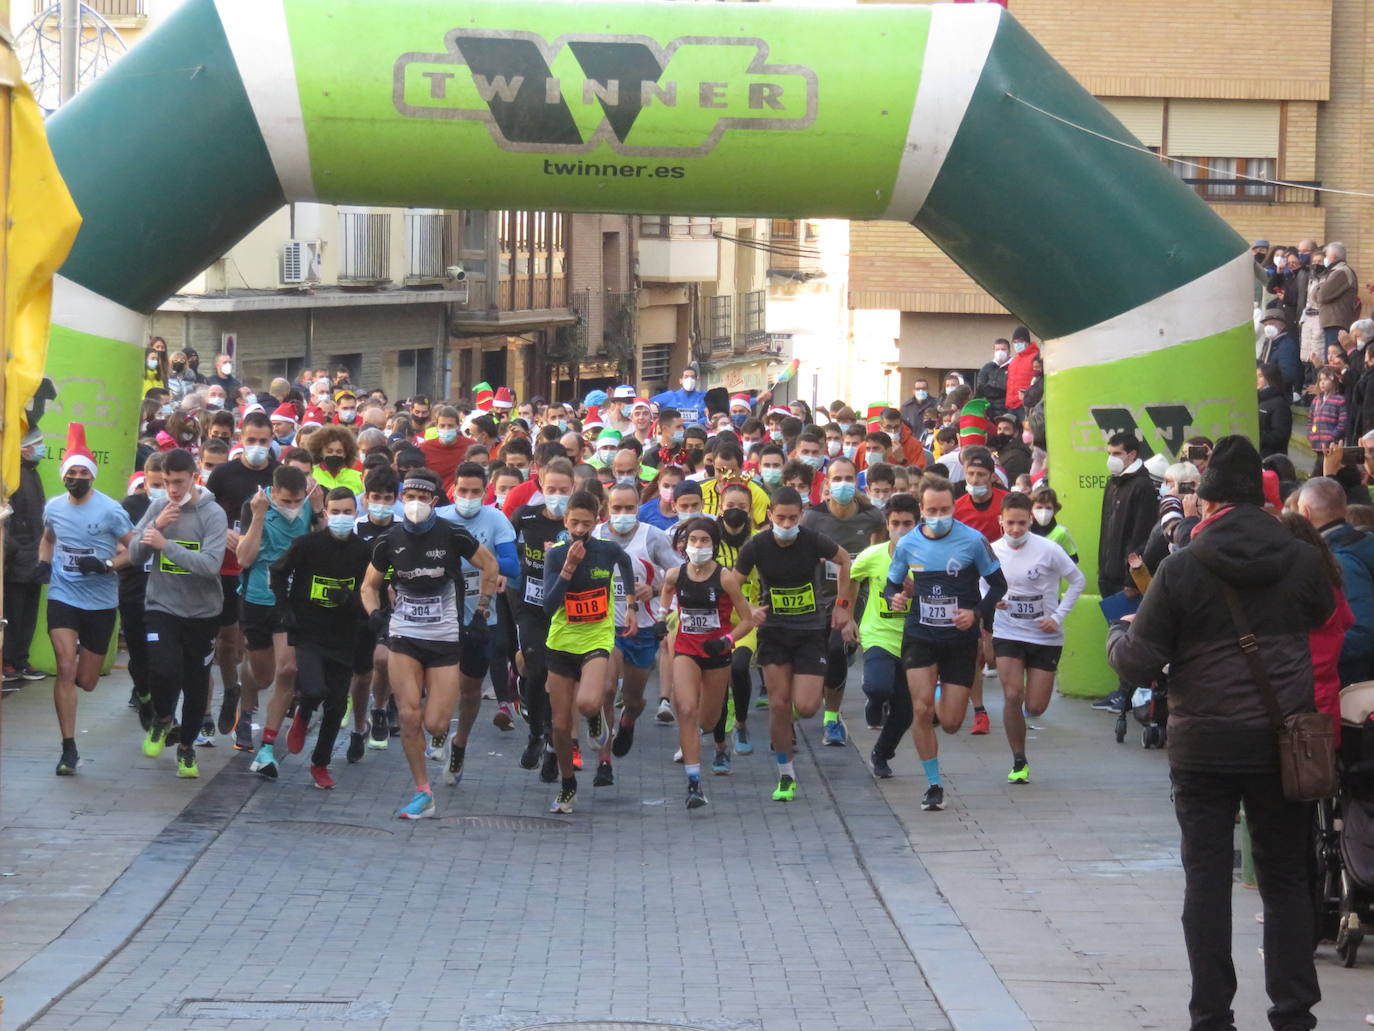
{"type": "Point", "coordinates": [946, 116]}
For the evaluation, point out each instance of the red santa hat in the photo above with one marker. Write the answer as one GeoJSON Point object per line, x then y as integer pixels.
{"type": "Point", "coordinates": [593, 421]}
{"type": "Point", "coordinates": [285, 413]}
{"type": "Point", "coordinates": [503, 399]}
{"type": "Point", "coordinates": [641, 402]}
{"type": "Point", "coordinates": [135, 481]}
{"type": "Point", "coordinates": [742, 401]}
{"type": "Point", "coordinates": [780, 410]}
{"type": "Point", "coordinates": [78, 454]}
{"type": "Point", "coordinates": [313, 417]}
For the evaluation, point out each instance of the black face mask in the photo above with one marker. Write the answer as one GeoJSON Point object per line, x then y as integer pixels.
{"type": "Point", "coordinates": [178, 366]}
{"type": "Point", "coordinates": [734, 520]}
{"type": "Point", "coordinates": [334, 463]}
{"type": "Point", "coordinates": [76, 486]}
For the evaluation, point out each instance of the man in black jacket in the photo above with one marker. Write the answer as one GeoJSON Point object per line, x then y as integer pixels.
{"type": "Point", "coordinates": [1222, 746]}
{"type": "Point", "coordinates": [991, 381]}
{"type": "Point", "coordinates": [23, 581]}
{"type": "Point", "coordinates": [1130, 507]}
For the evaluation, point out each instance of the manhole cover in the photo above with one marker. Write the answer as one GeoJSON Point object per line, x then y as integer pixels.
{"type": "Point", "coordinates": [606, 1025]}
{"type": "Point", "coordinates": [331, 830]}
{"type": "Point", "coordinates": [506, 823]}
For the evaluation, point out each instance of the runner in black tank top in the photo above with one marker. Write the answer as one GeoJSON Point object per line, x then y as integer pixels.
{"type": "Point", "coordinates": [706, 595]}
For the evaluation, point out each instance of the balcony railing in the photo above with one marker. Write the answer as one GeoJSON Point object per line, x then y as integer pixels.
{"type": "Point", "coordinates": [365, 253]}
{"type": "Point", "coordinates": [1246, 191]}
{"type": "Point", "coordinates": [752, 334]}
{"type": "Point", "coordinates": [677, 226]}
{"type": "Point", "coordinates": [108, 8]}
{"type": "Point", "coordinates": [722, 325]}
{"type": "Point", "coordinates": [425, 243]}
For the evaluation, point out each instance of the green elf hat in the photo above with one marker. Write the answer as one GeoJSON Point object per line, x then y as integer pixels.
{"type": "Point", "coordinates": [974, 427]}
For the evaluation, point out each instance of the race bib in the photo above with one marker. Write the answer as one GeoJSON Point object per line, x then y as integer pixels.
{"type": "Point", "coordinates": [832, 571]}
{"type": "Point", "coordinates": [69, 556]}
{"type": "Point", "coordinates": [793, 601]}
{"type": "Point", "coordinates": [1025, 606]}
{"type": "Point", "coordinates": [938, 611]}
{"type": "Point", "coordinates": [166, 565]}
{"type": "Point", "coordinates": [886, 611]}
{"type": "Point", "coordinates": [472, 582]}
{"type": "Point", "coordinates": [586, 606]}
{"type": "Point", "coordinates": [322, 587]}
{"type": "Point", "coordinates": [422, 609]}
{"type": "Point", "coordinates": [699, 621]}
{"type": "Point", "coordinates": [534, 591]}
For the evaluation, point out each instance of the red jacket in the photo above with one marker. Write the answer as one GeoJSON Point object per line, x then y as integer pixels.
{"type": "Point", "coordinates": [444, 459]}
{"type": "Point", "coordinates": [1325, 644]}
{"type": "Point", "coordinates": [986, 520]}
{"type": "Point", "coordinates": [1020, 374]}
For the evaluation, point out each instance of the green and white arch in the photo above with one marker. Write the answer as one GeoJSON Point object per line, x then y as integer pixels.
{"type": "Point", "coordinates": [921, 114]}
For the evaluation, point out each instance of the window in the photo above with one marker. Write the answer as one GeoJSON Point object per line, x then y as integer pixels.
{"type": "Point", "coordinates": [784, 229]}
{"type": "Point", "coordinates": [722, 324]}
{"type": "Point", "coordinates": [474, 230]}
{"type": "Point", "coordinates": [365, 248]}
{"type": "Point", "coordinates": [653, 367]}
{"type": "Point", "coordinates": [752, 307]}
{"type": "Point", "coordinates": [1220, 179]}
{"type": "Point", "coordinates": [694, 226]}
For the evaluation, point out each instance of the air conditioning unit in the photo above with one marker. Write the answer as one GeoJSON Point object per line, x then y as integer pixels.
{"type": "Point", "coordinates": [300, 262]}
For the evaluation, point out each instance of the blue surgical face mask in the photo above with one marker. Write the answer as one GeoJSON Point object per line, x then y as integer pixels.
{"type": "Point", "coordinates": [980, 491]}
{"type": "Point", "coordinates": [679, 436]}
{"type": "Point", "coordinates": [1018, 346]}
{"type": "Point", "coordinates": [786, 533]}
{"type": "Point", "coordinates": [467, 507]}
{"type": "Point", "coordinates": [624, 523]}
{"type": "Point", "coordinates": [844, 427]}
{"type": "Point", "coordinates": [256, 455]}
{"type": "Point", "coordinates": [939, 525]}
{"type": "Point", "coordinates": [739, 418]}
{"type": "Point", "coordinates": [563, 425]}
{"type": "Point", "coordinates": [157, 493]}
{"type": "Point", "coordinates": [341, 525]}
{"type": "Point", "coordinates": [850, 450]}
{"type": "Point", "coordinates": [770, 476]}
{"type": "Point", "coordinates": [842, 493]}
{"type": "Point", "coordinates": [557, 503]}
{"type": "Point", "coordinates": [923, 395]}
{"type": "Point", "coordinates": [381, 513]}
{"type": "Point", "coordinates": [814, 461]}
{"type": "Point", "coordinates": [448, 436]}
{"type": "Point", "coordinates": [39, 451]}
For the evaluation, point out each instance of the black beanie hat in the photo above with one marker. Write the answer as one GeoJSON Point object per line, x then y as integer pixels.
{"type": "Point", "coordinates": [1234, 474]}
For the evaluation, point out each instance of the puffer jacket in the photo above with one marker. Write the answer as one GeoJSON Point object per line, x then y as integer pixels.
{"type": "Point", "coordinates": [1217, 717]}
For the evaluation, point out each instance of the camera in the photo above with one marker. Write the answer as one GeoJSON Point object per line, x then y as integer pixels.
{"type": "Point", "coordinates": [456, 273]}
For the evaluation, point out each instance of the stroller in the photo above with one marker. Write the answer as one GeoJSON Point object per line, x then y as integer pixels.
{"type": "Point", "coordinates": [1343, 885]}
{"type": "Point", "coordinates": [1150, 706]}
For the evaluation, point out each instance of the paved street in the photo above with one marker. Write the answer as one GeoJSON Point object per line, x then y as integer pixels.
{"type": "Point", "coordinates": [276, 905]}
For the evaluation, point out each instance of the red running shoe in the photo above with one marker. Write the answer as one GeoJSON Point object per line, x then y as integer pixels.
{"type": "Point", "coordinates": [981, 724]}
{"type": "Point", "coordinates": [577, 756]}
{"type": "Point", "coordinates": [320, 775]}
{"type": "Point", "coordinates": [295, 737]}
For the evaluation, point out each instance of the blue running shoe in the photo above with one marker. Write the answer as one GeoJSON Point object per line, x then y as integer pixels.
{"type": "Point", "coordinates": [720, 766]}
{"type": "Point", "coordinates": [835, 735]}
{"type": "Point", "coordinates": [743, 746]}
{"type": "Point", "coordinates": [421, 807]}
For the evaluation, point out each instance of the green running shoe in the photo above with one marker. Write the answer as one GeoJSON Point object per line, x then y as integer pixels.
{"type": "Point", "coordinates": [786, 791]}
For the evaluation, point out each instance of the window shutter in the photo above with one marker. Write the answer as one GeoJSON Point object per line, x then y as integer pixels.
{"type": "Point", "coordinates": [1224, 128]}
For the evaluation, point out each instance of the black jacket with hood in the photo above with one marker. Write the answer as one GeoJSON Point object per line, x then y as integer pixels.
{"type": "Point", "coordinates": [1130, 507]}
{"type": "Point", "coordinates": [1217, 717]}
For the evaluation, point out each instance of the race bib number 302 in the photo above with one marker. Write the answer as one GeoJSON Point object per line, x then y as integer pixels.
{"type": "Point", "coordinates": [699, 621]}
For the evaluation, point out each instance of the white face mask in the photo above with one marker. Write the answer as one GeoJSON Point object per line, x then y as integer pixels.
{"type": "Point", "coordinates": [1044, 516]}
{"type": "Point", "coordinates": [417, 511]}
{"type": "Point", "coordinates": [1016, 542]}
{"type": "Point", "coordinates": [688, 383]}
{"type": "Point", "coordinates": [1271, 332]}
{"type": "Point", "coordinates": [1116, 465]}
{"type": "Point", "coordinates": [226, 369]}
{"type": "Point", "coordinates": [1000, 356]}
{"type": "Point", "coordinates": [699, 556]}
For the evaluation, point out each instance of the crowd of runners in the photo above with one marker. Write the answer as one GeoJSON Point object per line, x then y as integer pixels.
{"type": "Point", "coordinates": [345, 565]}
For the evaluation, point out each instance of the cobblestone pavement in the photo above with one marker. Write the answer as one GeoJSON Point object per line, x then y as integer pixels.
{"type": "Point", "coordinates": [313, 907]}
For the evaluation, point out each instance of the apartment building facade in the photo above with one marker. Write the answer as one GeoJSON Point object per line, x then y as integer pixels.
{"type": "Point", "coordinates": [1221, 87]}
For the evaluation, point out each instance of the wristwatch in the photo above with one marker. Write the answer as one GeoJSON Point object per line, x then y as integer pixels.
{"type": "Point", "coordinates": [843, 603]}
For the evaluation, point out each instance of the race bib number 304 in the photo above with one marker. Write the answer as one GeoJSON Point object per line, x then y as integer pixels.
{"type": "Point", "coordinates": [420, 610]}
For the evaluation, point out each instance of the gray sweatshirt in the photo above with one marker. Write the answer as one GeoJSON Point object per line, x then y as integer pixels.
{"type": "Point", "coordinates": [183, 578]}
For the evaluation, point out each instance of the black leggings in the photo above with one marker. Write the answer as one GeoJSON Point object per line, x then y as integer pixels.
{"type": "Point", "coordinates": [838, 655]}
{"type": "Point", "coordinates": [885, 681]}
{"type": "Point", "coordinates": [180, 649]}
{"type": "Point", "coordinates": [739, 691]}
{"type": "Point", "coordinates": [131, 617]}
{"type": "Point", "coordinates": [534, 634]}
{"type": "Point", "coordinates": [322, 678]}
{"type": "Point", "coordinates": [503, 651]}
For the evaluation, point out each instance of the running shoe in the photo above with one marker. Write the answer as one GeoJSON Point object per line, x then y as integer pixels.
{"type": "Point", "coordinates": [761, 702]}
{"type": "Point", "coordinates": [605, 776]}
{"type": "Point", "coordinates": [295, 737]}
{"type": "Point", "coordinates": [66, 766]}
{"type": "Point", "coordinates": [934, 799]}
{"type": "Point", "coordinates": [881, 769]}
{"type": "Point", "coordinates": [695, 798]}
{"type": "Point", "coordinates": [529, 758]}
{"type": "Point", "coordinates": [186, 764]}
{"type": "Point", "coordinates": [505, 717]}
{"type": "Point", "coordinates": [12, 675]}
{"type": "Point", "coordinates": [1020, 773]}
{"type": "Point", "coordinates": [174, 735]}
{"type": "Point", "coordinates": [665, 711]}
{"type": "Point", "coordinates": [835, 736]}
{"type": "Point", "coordinates": [393, 717]}
{"type": "Point", "coordinates": [146, 714]}
{"type": "Point", "coordinates": [720, 765]}
{"type": "Point", "coordinates": [421, 807]}
{"type": "Point", "coordinates": [380, 734]}
{"type": "Point", "coordinates": [873, 713]}
{"type": "Point", "coordinates": [1114, 702]}
{"type": "Point", "coordinates": [133, 691]}
{"type": "Point", "coordinates": [438, 748]}
{"type": "Point", "coordinates": [29, 673]}
{"type": "Point", "coordinates": [156, 740]}
{"type": "Point", "coordinates": [624, 737]}
{"type": "Point", "coordinates": [489, 692]}
{"type": "Point", "coordinates": [548, 772]}
{"type": "Point", "coordinates": [228, 709]}
{"type": "Point", "coordinates": [243, 733]}
{"type": "Point", "coordinates": [677, 756]}
{"type": "Point", "coordinates": [206, 737]}
{"type": "Point", "coordinates": [323, 779]}
{"type": "Point", "coordinates": [456, 755]}
{"type": "Point", "coordinates": [357, 746]}
{"type": "Point", "coordinates": [743, 746]}
{"type": "Point", "coordinates": [564, 802]}
{"type": "Point", "coordinates": [786, 791]}
{"type": "Point", "coordinates": [264, 764]}
{"type": "Point", "coordinates": [981, 723]}
{"type": "Point", "coordinates": [577, 755]}
{"type": "Point", "coordinates": [598, 729]}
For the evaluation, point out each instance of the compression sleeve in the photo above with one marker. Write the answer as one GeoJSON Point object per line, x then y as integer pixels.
{"type": "Point", "coordinates": [507, 560]}
{"type": "Point", "coordinates": [997, 589]}
{"type": "Point", "coordinates": [554, 584]}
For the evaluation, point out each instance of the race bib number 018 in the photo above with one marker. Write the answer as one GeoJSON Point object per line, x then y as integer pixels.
{"type": "Point", "coordinates": [938, 611]}
{"type": "Point", "coordinates": [586, 606]}
{"type": "Point", "coordinates": [793, 601]}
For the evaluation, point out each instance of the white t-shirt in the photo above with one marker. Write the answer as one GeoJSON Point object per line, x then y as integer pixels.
{"type": "Point", "coordinates": [651, 553]}
{"type": "Point", "coordinates": [1033, 572]}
